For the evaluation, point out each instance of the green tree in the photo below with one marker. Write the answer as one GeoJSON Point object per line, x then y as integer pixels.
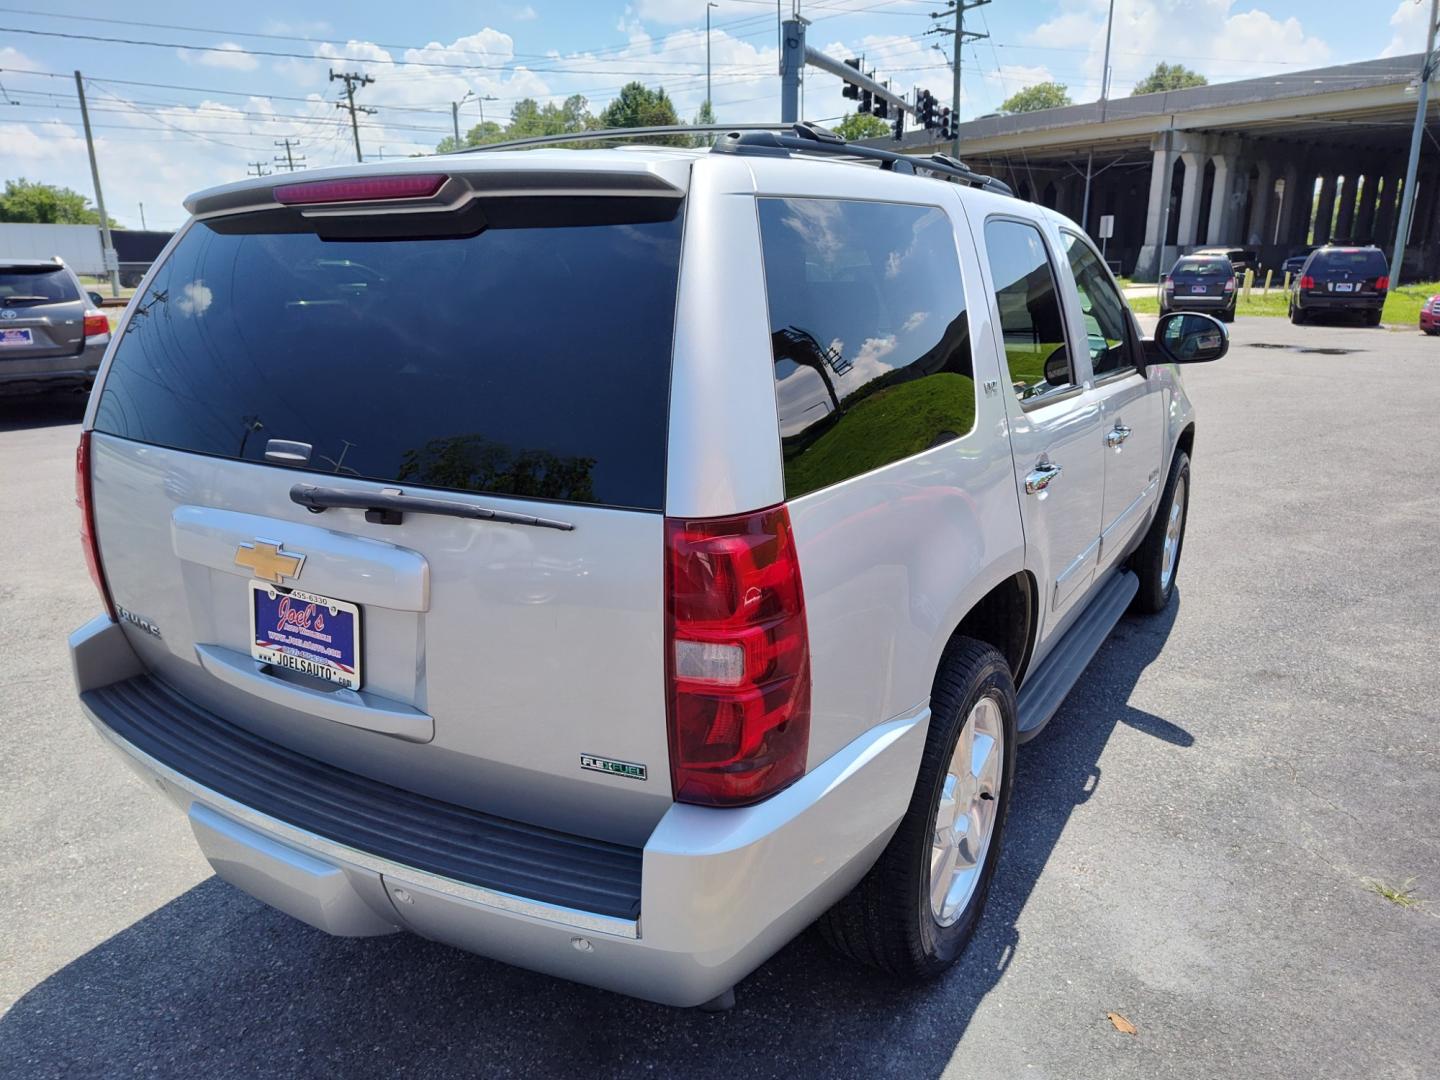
{"type": "Point", "coordinates": [1168, 77]}
{"type": "Point", "coordinates": [860, 125]}
{"type": "Point", "coordinates": [705, 116]}
{"type": "Point", "coordinates": [638, 106]}
{"type": "Point", "coordinates": [1045, 95]}
{"type": "Point", "coordinates": [528, 117]}
{"type": "Point", "coordinates": [46, 204]}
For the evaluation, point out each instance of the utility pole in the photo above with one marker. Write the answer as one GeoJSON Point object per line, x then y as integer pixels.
{"type": "Point", "coordinates": [289, 162]}
{"type": "Point", "coordinates": [958, 9]}
{"type": "Point", "coordinates": [259, 169]}
{"type": "Point", "coordinates": [142, 217]}
{"type": "Point", "coordinates": [110, 260]}
{"type": "Point", "coordinates": [1407, 194]}
{"type": "Point", "coordinates": [481, 99]}
{"type": "Point", "coordinates": [1104, 104]}
{"type": "Point", "coordinates": [352, 80]}
{"type": "Point", "coordinates": [708, 6]}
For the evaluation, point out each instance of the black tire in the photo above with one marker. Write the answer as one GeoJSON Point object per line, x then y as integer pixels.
{"type": "Point", "coordinates": [1297, 317]}
{"type": "Point", "coordinates": [1372, 318]}
{"type": "Point", "coordinates": [887, 921]}
{"type": "Point", "coordinates": [1228, 315]}
{"type": "Point", "coordinates": [1148, 562]}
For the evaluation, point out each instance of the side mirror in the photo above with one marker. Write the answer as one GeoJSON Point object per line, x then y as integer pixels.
{"type": "Point", "coordinates": [96, 299]}
{"type": "Point", "coordinates": [1188, 337]}
{"type": "Point", "coordinates": [1057, 367]}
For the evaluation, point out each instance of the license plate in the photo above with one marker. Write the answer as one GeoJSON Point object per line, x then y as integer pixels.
{"type": "Point", "coordinates": [1198, 289]}
{"type": "Point", "coordinates": [16, 337]}
{"type": "Point", "coordinates": [1344, 286]}
{"type": "Point", "coordinates": [315, 635]}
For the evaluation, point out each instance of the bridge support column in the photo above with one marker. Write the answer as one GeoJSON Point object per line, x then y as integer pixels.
{"type": "Point", "coordinates": [1345, 220]}
{"type": "Point", "coordinates": [1220, 198]}
{"type": "Point", "coordinates": [1147, 265]}
{"type": "Point", "coordinates": [1189, 218]}
{"type": "Point", "coordinates": [1364, 230]}
{"type": "Point", "coordinates": [1290, 202]}
{"type": "Point", "coordinates": [1325, 209]}
{"type": "Point", "coordinates": [1256, 232]}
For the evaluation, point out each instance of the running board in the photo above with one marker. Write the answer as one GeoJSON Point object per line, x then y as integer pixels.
{"type": "Point", "coordinates": [1045, 689]}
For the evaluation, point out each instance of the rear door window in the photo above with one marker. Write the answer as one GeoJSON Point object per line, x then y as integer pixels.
{"type": "Point", "coordinates": [1107, 328]}
{"type": "Point", "coordinates": [869, 334]}
{"type": "Point", "coordinates": [530, 358]}
{"type": "Point", "coordinates": [1031, 320]}
{"type": "Point", "coordinates": [28, 287]}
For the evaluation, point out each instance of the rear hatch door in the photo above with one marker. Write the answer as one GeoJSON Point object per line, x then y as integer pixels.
{"type": "Point", "coordinates": [42, 314]}
{"type": "Point", "coordinates": [1201, 278]}
{"type": "Point", "coordinates": [1349, 271]}
{"type": "Point", "coordinates": [388, 491]}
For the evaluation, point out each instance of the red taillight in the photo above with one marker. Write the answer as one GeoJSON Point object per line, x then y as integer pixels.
{"type": "Point", "coordinates": [1307, 282]}
{"type": "Point", "coordinates": [1382, 283]}
{"type": "Point", "coordinates": [96, 324]}
{"type": "Point", "coordinates": [1230, 285]}
{"type": "Point", "coordinates": [737, 658]}
{"type": "Point", "coordinates": [361, 189]}
{"type": "Point", "coordinates": [86, 505]}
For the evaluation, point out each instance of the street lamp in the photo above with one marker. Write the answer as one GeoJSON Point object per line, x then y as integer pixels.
{"type": "Point", "coordinates": [455, 114]}
{"type": "Point", "coordinates": [481, 100]}
{"type": "Point", "coordinates": [709, 108]}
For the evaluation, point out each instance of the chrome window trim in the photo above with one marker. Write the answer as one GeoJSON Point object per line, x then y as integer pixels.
{"type": "Point", "coordinates": [506, 903]}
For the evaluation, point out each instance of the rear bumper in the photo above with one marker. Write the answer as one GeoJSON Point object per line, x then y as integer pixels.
{"type": "Point", "coordinates": [720, 890]}
{"type": "Point", "coordinates": [1322, 302]}
{"type": "Point", "coordinates": [1199, 303]}
{"type": "Point", "coordinates": [20, 375]}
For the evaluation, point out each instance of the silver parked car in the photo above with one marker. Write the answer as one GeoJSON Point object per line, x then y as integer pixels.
{"type": "Point", "coordinates": [614, 561]}
{"type": "Point", "coordinates": [52, 333]}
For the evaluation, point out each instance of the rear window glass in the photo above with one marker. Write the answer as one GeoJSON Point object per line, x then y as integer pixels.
{"type": "Point", "coordinates": [21, 286]}
{"type": "Point", "coordinates": [1360, 261]}
{"type": "Point", "coordinates": [869, 335]}
{"type": "Point", "coordinates": [1205, 267]}
{"type": "Point", "coordinates": [531, 358]}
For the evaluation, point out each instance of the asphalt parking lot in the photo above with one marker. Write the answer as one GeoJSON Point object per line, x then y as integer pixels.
{"type": "Point", "coordinates": [1194, 842]}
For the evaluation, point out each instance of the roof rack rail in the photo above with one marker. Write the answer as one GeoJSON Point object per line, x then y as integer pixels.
{"type": "Point", "coordinates": [810, 138]}
{"type": "Point", "coordinates": [778, 139]}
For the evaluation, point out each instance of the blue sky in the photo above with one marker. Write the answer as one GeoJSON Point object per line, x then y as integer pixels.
{"type": "Point", "coordinates": [217, 88]}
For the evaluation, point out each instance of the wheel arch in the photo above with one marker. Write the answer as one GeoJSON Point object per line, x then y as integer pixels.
{"type": "Point", "coordinates": [1007, 618]}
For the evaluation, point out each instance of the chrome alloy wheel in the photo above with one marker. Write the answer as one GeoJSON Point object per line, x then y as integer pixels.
{"type": "Point", "coordinates": [965, 819]}
{"type": "Point", "coordinates": [1174, 527]}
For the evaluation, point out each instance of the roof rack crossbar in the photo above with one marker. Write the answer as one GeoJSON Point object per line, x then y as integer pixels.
{"type": "Point", "coordinates": [779, 139]}
{"type": "Point", "coordinates": [808, 138]}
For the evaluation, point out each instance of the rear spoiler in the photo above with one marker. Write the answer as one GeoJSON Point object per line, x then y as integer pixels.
{"type": "Point", "coordinates": [459, 185]}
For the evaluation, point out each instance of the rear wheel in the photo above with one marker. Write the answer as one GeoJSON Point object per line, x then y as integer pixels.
{"type": "Point", "coordinates": [1297, 317]}
{"type": "Point", "coordinates": [1372, 318]}
{"type": "Point", "coordinates": [1228, 315]}
{"type": "Point", "coordinates": [918, 906]}
{"type": "Point", "coordinates": [1158, 558]}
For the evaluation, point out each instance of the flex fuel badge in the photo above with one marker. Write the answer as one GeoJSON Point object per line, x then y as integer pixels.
{"type": "Point", "coordinates": [610, 765]}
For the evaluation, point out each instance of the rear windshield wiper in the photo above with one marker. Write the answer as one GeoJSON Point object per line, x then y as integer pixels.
{"type": "Point", "coordinates": [389, 507]}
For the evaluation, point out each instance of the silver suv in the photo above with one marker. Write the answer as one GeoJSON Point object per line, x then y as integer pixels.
{"type": "Point", "coordinates": [614, 561]}
{"type": "Point", "coordinates": [52, 333]}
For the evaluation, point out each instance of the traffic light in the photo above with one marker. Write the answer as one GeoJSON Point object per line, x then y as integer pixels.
{"type": "Point", "coordinates": [947, 124]}
{"type": "Point", "coordinates": [925, 108]}
{"type": "Point", "coordinates": [866, 101]}
{"type": "Point", "coordinates": [882, 107]}
{"type": "Point", "coordinates": [899, 125]}
{"type": "Point", "coordinates": [850, 90]}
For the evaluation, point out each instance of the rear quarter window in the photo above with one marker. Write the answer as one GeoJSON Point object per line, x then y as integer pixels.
{"type": "Point", "coordinates": [530, 358]}
{"type": "Point", "coordinates": [868, 332]}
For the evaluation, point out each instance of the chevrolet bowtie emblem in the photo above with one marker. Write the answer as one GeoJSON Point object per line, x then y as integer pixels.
{"type": "Point", "coordinates": [267, 562]}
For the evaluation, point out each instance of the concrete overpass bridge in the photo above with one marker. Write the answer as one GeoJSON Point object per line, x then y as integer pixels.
{"type": "Point", "coordinates": [1268, 163]}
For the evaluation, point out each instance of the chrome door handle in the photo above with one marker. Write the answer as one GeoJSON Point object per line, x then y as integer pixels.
{"type": "Point", "coordinates": [1040, 477]}
{"type": "Point", "coordinates": [1117, 435]}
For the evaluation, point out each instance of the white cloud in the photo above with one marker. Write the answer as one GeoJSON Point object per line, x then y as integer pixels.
{"type": "Point", "coordinates": [1408, 24]}
{"type": "Point", "coordinates": [524, 14]}
{"type": "Point", "coordinates": [1233, 44]}
{"type": "Point", "coordinates": [667, 11]}
{"type": "Point", "coordinates": [231, 56]}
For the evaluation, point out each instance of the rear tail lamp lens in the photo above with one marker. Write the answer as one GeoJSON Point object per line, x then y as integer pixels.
{"type": "Point", "coordinates": [1307, 282]}
{"type": "Point", "coordinates": [1230, 284]}
{"type": "Point", "coordinates": [1169, 285]}
{"type": "Point", "coordinates": [86, 505]}
{"type": "Point", "coordinates": [1382, 283]}
{"type": "Point", "coordinates": [737, 658]}
{"type": "Point", "coordinates": [361, 189]}
{"type": "Point", "coordinates": [96, 324]}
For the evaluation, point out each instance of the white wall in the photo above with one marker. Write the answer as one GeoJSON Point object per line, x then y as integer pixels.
{"type": "Point", "coordinates": [78, 245]}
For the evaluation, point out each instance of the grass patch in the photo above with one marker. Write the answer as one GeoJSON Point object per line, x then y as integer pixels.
{"type": "Point", "coordinates": [1402, 895]}
{"type": "Point", "coordinates": [1402, 305]}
